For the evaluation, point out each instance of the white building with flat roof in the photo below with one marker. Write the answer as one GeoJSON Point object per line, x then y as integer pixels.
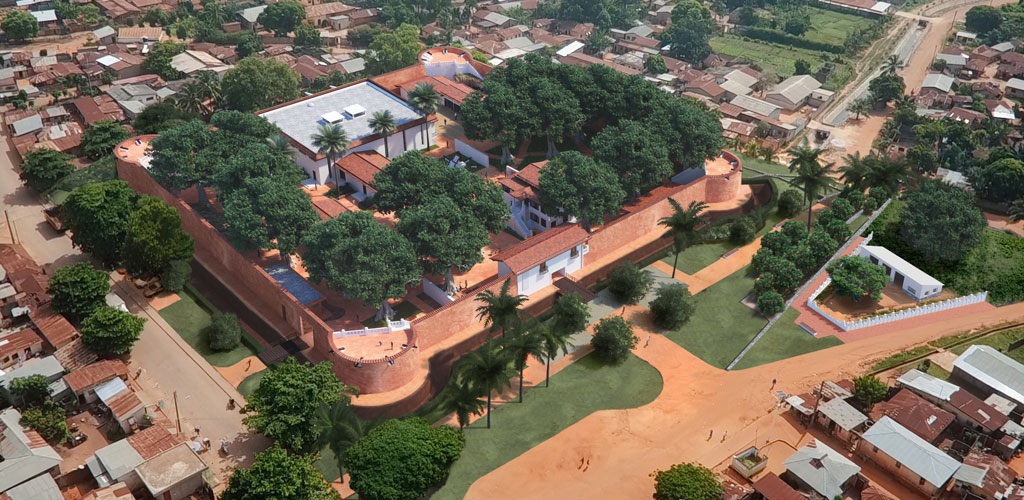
{"type": "Point", "coordinates": [916, 283]}
{"type": "Point", "coordinates": [351, 107]}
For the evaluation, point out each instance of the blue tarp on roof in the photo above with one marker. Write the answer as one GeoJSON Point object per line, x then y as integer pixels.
{"type": "Point", "coordinates": [294, 283]}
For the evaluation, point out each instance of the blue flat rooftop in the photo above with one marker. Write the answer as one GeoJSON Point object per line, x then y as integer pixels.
{"type": "Point", "coordinates": [294, 283]}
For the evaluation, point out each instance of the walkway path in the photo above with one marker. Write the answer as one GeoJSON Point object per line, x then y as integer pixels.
{"type": "Point", "coordinates": [625, 446]}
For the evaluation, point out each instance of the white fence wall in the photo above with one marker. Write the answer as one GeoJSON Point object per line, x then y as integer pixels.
{"type": "Point", "coordinates": [473, 153]}
{"type": "Point", "coordinates": [393, 326]}
{"type": "Point", "coordinates": [434, 292]}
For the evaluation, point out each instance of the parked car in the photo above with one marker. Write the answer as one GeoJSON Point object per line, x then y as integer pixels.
{"type": "Point", "coordinates": [52, 216]}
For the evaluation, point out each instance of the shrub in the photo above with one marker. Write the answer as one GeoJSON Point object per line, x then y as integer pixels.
{"type": "Point", "coordinates": [790, 202]}
{"type": "Point", "coordinates": [869, 205]}
{"type": "Point", "coordinates": [48, 420]}
{"type": "Point", "coordinates": [672, 307]}
{"type": "Point", "coordinates": [869, 390]}
{"type": "Point", "coordinates": [629, 283]}
{"type": "Point", "coordinates": [771, 303]}
{"type": "Point", "coordinates": [842, 209]}
{"type": "Point", "coordinates": [176, 275]}
{"type": "Point", "coordinates": [879, 194]}
{"type": "Point", "coordinates": [687, 481]}
{"type": "Point", "coordinates": [613, 339]}
{"type": "Point", "coordinates": [856, 199]}
{"type": "Point", "coordinates": [742, 231]}
{"type": "Point", "coordinates": [224, 332]}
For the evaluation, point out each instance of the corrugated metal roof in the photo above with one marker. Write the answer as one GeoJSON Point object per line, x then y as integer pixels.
{"type": "Point", "coordinates": [994, 369]}
{"type": "Point", "coordinates": [911, 451]}
{"type": "Point", "coordinates": [843, 414]}
{"type": "Point", "coordinates": [822, 468]}
{"type": "Point", "coordinates": [926, 384]}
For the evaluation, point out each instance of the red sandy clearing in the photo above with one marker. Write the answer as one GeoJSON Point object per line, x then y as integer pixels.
{"type": "Point", "coordinates": [625, 446]}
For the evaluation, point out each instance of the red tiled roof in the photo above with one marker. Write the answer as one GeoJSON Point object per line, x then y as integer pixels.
{"type": "Point", "coordinates": [451, 89]}
{"type": "Point", "coordinates": [913, 412]}
{"type": "Point", "coordinates": [541, 247]}
{"type": "Point", "coordinates": [95, 374]}
{"type": "Point", "coordinates": [327, 9]}
{"type": "Point", "coordinates": [154, 440]}
{"type": "Point", "coordinates": [57, 330]}
{"type": "Point", "coordinates": [328, 208]}
{"type": "Point", "coordinates": [873, 493]}
{"type": "Point", "coordinates": [771, 487]}
{"type": "Point", "coordinates": [530, 174]}
{"type": "Point", "coordinates": [363, 165]}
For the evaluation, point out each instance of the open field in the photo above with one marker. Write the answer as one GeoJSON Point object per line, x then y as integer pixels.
{"type": "Point", "coordinates": [784, 340]}
{"type": "Point", "coordinates": [999, 341]}
{"type": "Point", "coordinates": [780, 58]}
{"type": "Point", "coordinates": [829, 26]}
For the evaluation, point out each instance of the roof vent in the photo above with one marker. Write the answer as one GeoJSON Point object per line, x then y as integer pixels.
{"type": "Point", "coordinates": [932, 419]}
{"type": "Point", "coordinates": [355, 111]}
{"type": "Point", "coordinates": [332, 117]}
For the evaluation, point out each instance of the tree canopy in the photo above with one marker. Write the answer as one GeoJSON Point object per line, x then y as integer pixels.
{"type": "Point", "coordinates": [276, 474]}
{"type": "Point", "coordinates": [98, 214]}
{"type": "Point", "coordinates": [1000, 180]}
{"type": "Point", "coordinates": [20, 25]}
{"type": "Point", "coordinates": [77, 290]}
{"type": "Point", "coordinates": [111, 332]}
{"type": "Point", "coordinates": [689, 481]}
{"type": "Point", "coordinates": [158, 61]}
{"type": "Point", "coordinates": [941, 221]}
{"type": "Point", "coordinates": [101, 137]}
{"type": "Point", "coordinates": [691, 29]}
{"type": "Point", "coordinates": [42, 168]}
{"type": "Point", "coordinates": [869, 390]}
{"type": "Point", "coordinates": [672, 307]}
{"type": "Point", "coordinates": [613, 339]}
{"type": "Point", "coordinates": [629, 283]}
{"type": "Point", "coordinates": [282, 17]}
{"type": "Point", "coordinates": [402, 459]}
{"type": "Point", "coordinates": [154, 238]}
{"type": "Point", "coordinates": [284, 404]}
{"type": "Point", "coordinates": [602, 13]}
{"type": "Point", "coordinates": [256, 83]}
{"type": "Point", "coordinates": [268, 212]}
{"type": "Point", "coordinates": [577, 186]}
{"type": "Point", "coordinates": [391, 50]}
{"type": "Point", "coordinates": [856, 277]}
{"type": "Point", "coordinates": [983, 18]}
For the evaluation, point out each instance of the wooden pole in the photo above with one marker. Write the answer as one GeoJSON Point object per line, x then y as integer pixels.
{"type": "Point", "coordinates": [177, 416]}
{"type": "Point", "coordinates": [814, 414]}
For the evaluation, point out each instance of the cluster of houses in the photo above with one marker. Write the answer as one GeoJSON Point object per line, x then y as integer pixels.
{"type": "Point", "coordinates": [35, 340]}
{"type": "Point", "coordinates": [936, 438]}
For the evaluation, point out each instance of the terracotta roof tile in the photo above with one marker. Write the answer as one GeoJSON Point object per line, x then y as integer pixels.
{"type": "Point", "coordinates": [541, 247]}
{"type": "Point", "coordinates": [771, 487]}
{"type": "Point", "coordinates": [96, 373]}
{"type": "Point", "coordinates": [363, 165]}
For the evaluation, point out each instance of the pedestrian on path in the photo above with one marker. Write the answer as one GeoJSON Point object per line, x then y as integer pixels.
{"type": "Point", "coordinates": [392, 345]}
{"type": "Point", "coordinates": [648, 342]}
{"type": "Point", "coordinates": [725, 434]}
{"type": "Point", "coordinates": [773, 385]}
{"type": "Point", "coordinates": [711, 434]}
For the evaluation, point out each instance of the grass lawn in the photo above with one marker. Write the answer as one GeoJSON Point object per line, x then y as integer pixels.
{"type": "Point", "coordinates": [698, 257]}
{"type": "Point", "coordinates": [829, 26]}
{"type": "Point", "coordinates": [784, 340]}
{"type": "Point", "coordinates": [98, 171]}
{"type": "Point", "coordinates": [902, 357]}
{"type": "Point", "coordinates": [858, 222]}
{"type": "Point", "coordinates": [582, 388]}
{"type": "Point", "coordinates": [251, 383]}
{"type": "Point", "coordinates": [779, 57]}
{"type": "Point", "coordinates": [190, 320]}
{"type": "Point", "coordinates": [403, 310]}
{"type": "Point", "coordinates": [1000, 341]}
{"type": "Point", "coordinates": [760, 165]}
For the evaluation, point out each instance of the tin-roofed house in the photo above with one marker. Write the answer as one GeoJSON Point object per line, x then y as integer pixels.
{"type": "Point", "coordinates": [914, 461]}
{"type": "Point", "coordinates": [24, 454]}
{"type": "Point", "coordinates": [990, 370]}
{"type": "Point", "coordinates": [822, 470]}
{"type": "Point", "coordinates": [841, 419]}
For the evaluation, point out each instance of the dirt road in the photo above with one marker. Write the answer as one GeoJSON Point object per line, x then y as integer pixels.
{"type": "Point", "coordinates": [625, 446]}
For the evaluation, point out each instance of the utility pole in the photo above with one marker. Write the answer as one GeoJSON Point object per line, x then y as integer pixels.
{"type": "Point", "coordinates": [177, 416]}
{"type": "Point", "coordinates": [814, 414]}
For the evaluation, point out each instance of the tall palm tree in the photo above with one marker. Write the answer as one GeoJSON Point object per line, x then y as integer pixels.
{"type": "Point", "coordinates": [525, 341]}
{"type": "Point", "coordinates": [426, 100]}
{"type": "Point", "coordinates": [278, 145]}
{"type": "Point", "coordinates": [500, 311]}
{"type": "Point", "coordinates": [804, 155]}
{"type": "Point", "coordinates": [855, 169]}
{"type": "Point", "coordinates": [191, 99]}
{"type": "Point", "coordinates": [812, 179]}
{"type": "Point", "coordinates": [383, 123]}
{"type": "Point", "coordinates": [490, 368]}
{"type": "Point", "coordinates": [892, 64]}
{"type": "Point", "coordinates": [1017, 210]}
{"type": "Point", "coordinates": [887, 173]}
{"type": "Point", "coordinates": [555, 340]}
{"type": "Point", "coordinates": [340, 428]}
{"type": "Point", "coordinates": [463, 402]}
{"type": "Point", "coordinates": [210, 83]}
{"type": "Point", "coordinates": [331, 141]}
{"type": "Point", "coordinates": [682, 226]}
{"type": "Point", "coordinates": [860, 107]}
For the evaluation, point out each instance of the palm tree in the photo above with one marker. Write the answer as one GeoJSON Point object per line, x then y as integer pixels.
{"type": "Point", "coordinates": [278, 145]}
{"type": "Point", "coordinates": [340, 428]}
{"type": "Point", "coordinates": [892, 64]}
{"type": "Point", "coordinates": [331, 141]}
{"type": "Point", "coordinates": [383, 124]}
{"type": "Point", "coordinates": [524, 342]}
{"type": "Point", "coordinates": [500, 311]}
{"type": "Point", "coordinates": [554, 341]}
{"type": "Point", "coordinates": [424, 99]}
{"type": "Point", "coordinates": [860, 107]}
{"type": "Point", "coordinates": [682, 226]}
{"type": "Point", "coordinates": [210, 83]}
{"type": "Point", "coordinates": [887, 174]}
{"type": "Point", "coordinates": [812, 178]}
{"type": "Point", "coordinates": [490, 369]}
{"type": "Point", "coordinates": [804, 155]}
{"type": "Point", "coordinates": [855, 170]}
{"type": "Point", "coordinates": [1017, 210]}
{"type": "Point", "coordinates": [191, 98]}
{"type": "Point", "coordinates": [463, 402]}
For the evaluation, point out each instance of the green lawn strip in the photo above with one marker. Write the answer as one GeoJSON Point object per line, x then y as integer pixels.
{"type": "Point", "coordinates": [829, 26]}
{"type": "Point", "coordinates": [779, 57]}
{"type": "Point", "coordinates": [937, 371]}
{"type": "Point", "coordinates": [784, 340]}
{"type": "Point", "coordinates": [251, 383]}
{"type": "Point", "coordinates": [858, 222]}
{"type": "Point", "coordinates": [698, 257]}
{"type": "Point", "coordinates": [760, 165]}
{"type": "Point", "coordinates": [902, 357]}
{"type": "Point", "coordinates": [582, 388]}
{"type": "Point", "coordinates": [190, 320]}
{"type": "Point", "coordinates": [999, 341]}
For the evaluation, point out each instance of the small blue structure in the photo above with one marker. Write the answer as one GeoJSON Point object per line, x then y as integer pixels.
{"type": "Point", "coordinates": [294, 283]}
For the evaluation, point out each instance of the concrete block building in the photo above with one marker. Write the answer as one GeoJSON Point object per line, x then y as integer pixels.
{"type": "Point", "coordinates": [916, 283]}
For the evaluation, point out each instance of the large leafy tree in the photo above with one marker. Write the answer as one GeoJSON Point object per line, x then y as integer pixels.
{"type": "Point", "coordinates": [78, 289]}
{"type": "Point", "coordinates": [154, 238]}
{"type": "Point", "coordinates": [284, 405]}
{"type": "Point", "coordinates": [362, 259]}
{"type": "Point", "coordinates": [248, 44]}
{"type": "Point", "coordinates": [276, 474]}
{"type": "Point", "coordinates": [559, 114]}
{"type": "Point", "coordinates": [402, 459]}
{"type": "Point", "coordinates": [340, 428]}
{"type": "Point", "coordinates": [158, 61]}
{"type": "Point", "coordinates": [489, 368]}
{"type": "Point", "coordinates": [31, 390]}
{"type": "Point", "coordinates": [256, 83]}
{"type": "Point", "coordinates": [98, 216]}
{"type": "Point", "coordinates": [640, 158]}
{"type": "Point", "coordinates": [886, 87]}
{"type": "Point", "coordinates": [1001, 180]}
{"type": "Point", "coordinates": [282, 17]}
{"type": "Point", "coordinates": [603, 13]}
{"type": "Point", "coordinates": [856, 277]}
{"type": "Point", "coordinates": [42, 168]}
{"type": "Point", "coordinates": [256, 161]}
{"type": "Point", "coordinates": [161, 116]}
{"type": "Point", "coordinates": [20, 25]}
{"type": "Point", "coordinates": [982, 19]}
{"type": "Point", "coordinates": [268, 212]}
{"type": "Point", "coordinates": [691, 29]}
{"type": "Point", "coordinates": [101, 137]}
{"type": "Point", "coordinates": [444, 236]}
{"type": "Point", "coordinates": [689, 481]}
{"type": "Point", "coordinates": [111, 332]}
{"type": "Point", "coordinates": [570, 315]}
{"type": "Point", "coordinates": [941, 221]}
{"type": "Point", "coordinates": [613, 339]}
{"type": "Point", "coordinates": [577, 186]}
{"type": "Point", "coordinates": [505, 115]}
{"type": "Point", "coordinates": [500, 311]}
{"type": "Point", "coordinates": [394, 49]}
{"type": "Point", "coordinates": [49, 420]}
{"type": "Point", "coordinates": [307, 37]}
{"type": "Point", "coordinates": [682, 226]}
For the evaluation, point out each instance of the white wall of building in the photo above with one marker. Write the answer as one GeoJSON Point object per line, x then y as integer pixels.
{"type": "Point", "coordinates": [533, 279]}
{"type": "Point", "coordinates": [415, 138]}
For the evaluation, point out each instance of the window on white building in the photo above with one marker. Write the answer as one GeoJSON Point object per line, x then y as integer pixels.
{"type": "Point", "coordinates": [544, 268]}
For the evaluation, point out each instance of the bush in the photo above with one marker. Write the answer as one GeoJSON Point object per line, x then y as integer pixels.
{"type": "Point", "coordinates": [771, 303]}
{"type": "Point", "coordinates": [687, 481]}
{"type": "Point", "coordinates": [842, 209]}
{"type": "Point", "coordinates": [790, 202]}
{"type": "Point", "coordinates": [48, 420]}
{"type": "Point", "coordinates": [629, 283]}
{"type": "Point", "coordinates": [176, 275]}
{"type": "Point", "coordinates": [869, 205]}
{"type": "Point", "coordinates": [672, 307]}
{"type": "Point", "coordinates": [742, 231]}
{"type": "Point", "coordinates": [42, 168]}
{"type": "Point", "coordinates": [856, 199]}
{"type": "Point", "coordinates": [879, 195]}
{"type": "Point", "coordinates": [869, 390]}
{"type": "Point", "coordinates": [781, 37]}
{"type": "Point", "coordinates": [224, 332]}
{"type": "Point", "coordinates": [613, 339]}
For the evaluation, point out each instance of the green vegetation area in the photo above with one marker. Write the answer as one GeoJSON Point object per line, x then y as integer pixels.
{"type": "Point", "coordinates": [403, 310]}
{"type": "Point", "coordinates": [582, 388]}
{"type": "Point", "coordinates": [698, 257]}
{"type": "Point", "coordinates": [902, 357]}
{"type": "Point", "coordinates": [858, 222]}
{"type": "Point", "coordinates": [190, 316]}
{"type": "Point", "coordinates": [999, 341]}
{"type": "Point", "coordinates": [784, 339]}
{"type": "Point", "coordinates": [767, 167]}
{"type": "Point", "coordinates": [101, 170]}
{"type": "Point", "coordinates": [780, 58]}
{"type": "Point", "coordinates": [251, 383]}
{"type": "Point", "coordinates": [829, 26]}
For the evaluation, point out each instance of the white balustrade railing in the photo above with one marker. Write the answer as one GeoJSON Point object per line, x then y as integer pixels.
{"type": "Point", "coordinates": [392, 326]}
